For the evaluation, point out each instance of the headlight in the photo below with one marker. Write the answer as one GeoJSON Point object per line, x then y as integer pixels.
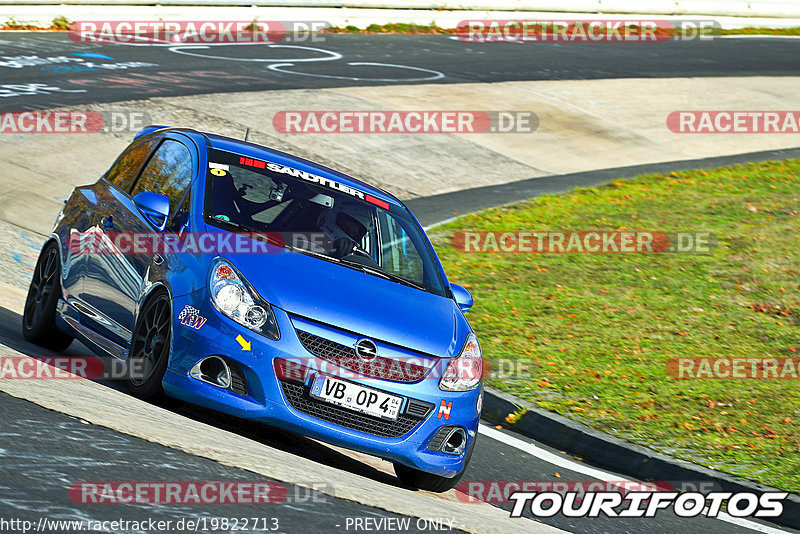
{"type": "Point", "coordinates": [233, 296]}
{"type": "Point", "coordinates": [464, 372]}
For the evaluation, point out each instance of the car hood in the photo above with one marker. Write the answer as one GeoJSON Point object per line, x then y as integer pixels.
{"type": "Point", "coordinates": [352, 300]}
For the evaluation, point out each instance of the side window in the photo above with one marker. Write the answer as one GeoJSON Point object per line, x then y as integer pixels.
{"type": "Point", "coordinates": [124, 171]}
{"type": "Point", "coordinates": [400, 256]}
{"type": "Point", "coordinates": [168, 172]}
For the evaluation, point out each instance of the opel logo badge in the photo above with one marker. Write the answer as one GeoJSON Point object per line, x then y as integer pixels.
{"type": "Point", "coordinates": [366, 349]}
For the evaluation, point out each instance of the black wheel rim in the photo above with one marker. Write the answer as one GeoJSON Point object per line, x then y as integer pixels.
{"type": "Point", "coordinates": [150, 341]}
{"type": "Point", "coordinates": [43, 284]}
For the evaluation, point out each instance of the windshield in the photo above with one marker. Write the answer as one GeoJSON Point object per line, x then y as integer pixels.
{"type": "Point", "coordinates": [320, 217]}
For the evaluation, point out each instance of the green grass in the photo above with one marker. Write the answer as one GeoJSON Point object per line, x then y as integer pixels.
{"type": "Point", "coordinates": [758, 31]}
{"type": "Point", "coordinates": [58, 23]}
{"type": "Point", "coordinates": [595, 331]}
{"type": "Point", "coordinates": [391, 27]}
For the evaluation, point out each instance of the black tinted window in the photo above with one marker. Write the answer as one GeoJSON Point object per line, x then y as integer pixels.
{"type": "Point", "coordinates": [168, 172]}
{"type": "Point", "coordinates": [124, 171]}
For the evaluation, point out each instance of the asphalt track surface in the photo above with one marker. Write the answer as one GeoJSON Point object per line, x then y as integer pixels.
{"type": "Point", "coordinates": [43, 452]}
{"type": "Point", "coordinates": [95, 72]}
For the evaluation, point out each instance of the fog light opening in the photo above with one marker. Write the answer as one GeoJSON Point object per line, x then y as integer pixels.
{"type": "Point", "coordinates": [212, 370]}
{"type": "Point", "coordinates": [455, 442]}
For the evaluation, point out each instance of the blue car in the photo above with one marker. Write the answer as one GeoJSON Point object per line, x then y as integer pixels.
{"type": "Point", "coordinates": [268, 287]}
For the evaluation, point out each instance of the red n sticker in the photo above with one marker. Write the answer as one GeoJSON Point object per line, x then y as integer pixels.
{"type": "Point", "coordinates": [444, 409]}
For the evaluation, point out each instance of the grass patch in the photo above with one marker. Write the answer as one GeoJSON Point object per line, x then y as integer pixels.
{"type": "Point", "coordinates": [758, 31]}
{"type": "Point", "coordinates": [58, 24]}
{"type": "Point", "coordinates": [596, 331]}
{"type": "Point", "coordinates": [391, 27]}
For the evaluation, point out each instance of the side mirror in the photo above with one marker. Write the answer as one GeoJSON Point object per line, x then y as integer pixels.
{"type": "Point", "coordinates": [462, 297]}
{"type": "Point", "coordinates": [155, 207]}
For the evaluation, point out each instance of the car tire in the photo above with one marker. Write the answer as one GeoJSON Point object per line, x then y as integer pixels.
{"type": "Point", "coordinates": [150, 345]}
{"type": "Point", "coordinates": [428, 481]}
{"type": "Point", "coordinates": [39, 317]}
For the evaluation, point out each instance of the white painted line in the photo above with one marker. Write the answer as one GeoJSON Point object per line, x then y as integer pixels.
{"type": "Point", "coordinates": [440, 223]}
{"type": "Point", "coordinates": [565, 463]}
{"type": "Point", "coordinates": [758, 527]}
{"type": "Point", "coordinates": [435, 74]}
{"type": "Point", "coordinates": [549, 457]}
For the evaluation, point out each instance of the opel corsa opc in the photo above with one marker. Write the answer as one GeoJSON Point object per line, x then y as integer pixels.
{"type": "Point", "coordinates": [270, 288]}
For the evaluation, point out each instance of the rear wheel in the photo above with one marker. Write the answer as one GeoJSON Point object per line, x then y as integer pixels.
{"type": "Point", "coordinates": [39, 317]}
{"type": "Point", "coordinates": [149, 351]}
{"type": "Point", "coordinates": [430, 482]}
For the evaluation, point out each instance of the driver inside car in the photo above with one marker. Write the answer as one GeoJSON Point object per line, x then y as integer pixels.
{"type": "Point", "coordinates": [346, 234]}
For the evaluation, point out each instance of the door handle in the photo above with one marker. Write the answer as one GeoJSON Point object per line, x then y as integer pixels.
{"type": "Point", "coordinates": [108, 222]}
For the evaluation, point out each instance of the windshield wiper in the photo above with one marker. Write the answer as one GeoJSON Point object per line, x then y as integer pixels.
{"type": "Point", "coordinates": [232, 224]}
{"type": "Point", "coordinates": [383, 274]}
{"type": "Point", "coordinates": [311, 253]}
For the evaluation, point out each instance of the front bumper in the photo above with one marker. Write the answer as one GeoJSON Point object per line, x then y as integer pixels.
{"type": "Point", "coordinates": [286, 404]}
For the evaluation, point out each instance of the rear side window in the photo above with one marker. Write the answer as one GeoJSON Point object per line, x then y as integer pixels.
{"type": "Point", "coordinates": [124, 171]}
{"type": "Point", "coordinates": [168, 172]}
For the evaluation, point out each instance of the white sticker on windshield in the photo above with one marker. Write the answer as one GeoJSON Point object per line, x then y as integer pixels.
{"type": "Point", "coordinates": [219, 166]}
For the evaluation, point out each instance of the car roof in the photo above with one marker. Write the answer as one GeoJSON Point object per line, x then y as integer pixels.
{"type": "Point", "coordinates": [252, 150]}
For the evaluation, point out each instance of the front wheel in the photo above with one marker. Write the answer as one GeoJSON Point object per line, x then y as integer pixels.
{"type": "Point", "coordinates": [149, 350]}
{"type": "Point", "coordinates": [39, 317]}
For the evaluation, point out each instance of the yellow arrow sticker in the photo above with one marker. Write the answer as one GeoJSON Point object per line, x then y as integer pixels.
{"type": "Point", "coordinates": [244, 343]}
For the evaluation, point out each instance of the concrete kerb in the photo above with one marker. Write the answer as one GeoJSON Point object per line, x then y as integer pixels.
{"type": "Point", "coordinates": [436, 210]}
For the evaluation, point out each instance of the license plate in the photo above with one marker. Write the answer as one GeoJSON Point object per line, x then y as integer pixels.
{"type": "Point", "coordinates": [357, 398]}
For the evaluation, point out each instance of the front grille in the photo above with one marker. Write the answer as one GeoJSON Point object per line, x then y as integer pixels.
{"type": "Point", "coordinates": [297, 396]}
{"type": "Point", "coordinates": [346, 357]}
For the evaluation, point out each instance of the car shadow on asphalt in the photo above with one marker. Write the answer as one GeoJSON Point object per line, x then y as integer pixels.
{"type": "Point", "coordinates": [11, 337]}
